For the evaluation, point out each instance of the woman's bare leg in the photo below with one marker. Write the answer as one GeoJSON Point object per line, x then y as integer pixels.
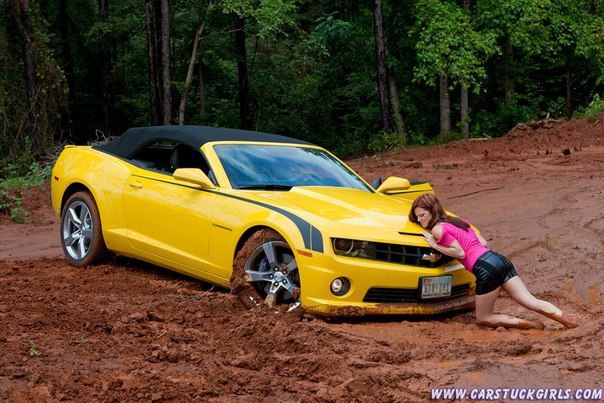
{"type": "Point", "coordinates": [518, 291]}
{"type": "Point", "coordinates": [485, 316]}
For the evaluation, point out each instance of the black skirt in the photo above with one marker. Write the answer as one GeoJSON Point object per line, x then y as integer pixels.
{"type": "Point", "coordinates": [491, 271]}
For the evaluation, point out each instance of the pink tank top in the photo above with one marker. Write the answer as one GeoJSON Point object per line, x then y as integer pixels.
{"type": "Point", "coordinates": [467, 239]}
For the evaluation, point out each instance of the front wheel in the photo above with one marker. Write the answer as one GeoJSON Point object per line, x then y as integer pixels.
{"type": "Point", "coordinates": [265, 269]}
{"type": "Point", "coordinates": [81, 234]}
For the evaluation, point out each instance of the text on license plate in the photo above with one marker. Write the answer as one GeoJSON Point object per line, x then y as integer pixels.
{"type": "Point", "coordinates": [436, 287]}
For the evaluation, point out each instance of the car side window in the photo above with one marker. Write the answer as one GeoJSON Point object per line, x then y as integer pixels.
{"type": "Point", "coordinates": [167, 156]}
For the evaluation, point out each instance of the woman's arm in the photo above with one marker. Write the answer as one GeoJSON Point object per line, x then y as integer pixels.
{"type": "Point", "coordinates": [454, 250]}
{"type": "Point", "coordinates": [482, 241]}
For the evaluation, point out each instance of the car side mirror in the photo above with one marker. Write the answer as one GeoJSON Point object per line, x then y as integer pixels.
{"type": "Point", "coordinates": [394, 184]}
{"type": "Point", "coordinates": [195, 176]}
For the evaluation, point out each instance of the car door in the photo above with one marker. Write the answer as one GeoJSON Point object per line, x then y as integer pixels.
{"type": "Point", "coordinates": [168, 218]}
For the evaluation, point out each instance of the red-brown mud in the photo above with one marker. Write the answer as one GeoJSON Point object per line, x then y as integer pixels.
{"type": "Point", "coordinates": [128, 331]}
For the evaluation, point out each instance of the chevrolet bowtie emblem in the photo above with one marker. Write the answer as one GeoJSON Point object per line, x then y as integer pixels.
{"type": "Point", "coordinates": [431, 257]}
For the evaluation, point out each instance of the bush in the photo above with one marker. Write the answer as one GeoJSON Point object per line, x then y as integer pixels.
{"type": "Point", "coordinates": [384, 142]}
{"type": "Point", "coordinates": [10, 204]}
{"type": "Point", "coordinates": [16, 175]}
{"type": "Point", "coordinates": [593, 109]}
{"type": "Point", "coordinates": [22, 173]}
{"type": "Point", "coordinates": [487, 124]}
{"type": "Point", "coordinates": [19, 215]}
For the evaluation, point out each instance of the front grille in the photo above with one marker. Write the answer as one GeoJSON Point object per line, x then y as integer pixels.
{"type": "Point", "coordinates": [410, 294]}
{"type": "Point", "coordinates": [409, 255]}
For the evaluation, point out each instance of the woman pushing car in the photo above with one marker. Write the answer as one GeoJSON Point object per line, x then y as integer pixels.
{"type": "Point", "coordinates": [455, 237]}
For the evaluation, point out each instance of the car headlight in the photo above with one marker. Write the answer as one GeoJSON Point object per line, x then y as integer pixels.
{"type": "Point", "coordinates": [353, 248]}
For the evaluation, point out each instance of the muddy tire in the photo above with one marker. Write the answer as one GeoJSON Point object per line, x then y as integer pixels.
{"type": "Point", "coordinates": [265, 271]}
{"type": "Point", "coordinates": [81, 232]}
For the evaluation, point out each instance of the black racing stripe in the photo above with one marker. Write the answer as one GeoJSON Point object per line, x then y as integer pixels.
{"type": "Point", "coordinates": [317, 240]}
{"type": "Point", "coordinates": [313, 239]}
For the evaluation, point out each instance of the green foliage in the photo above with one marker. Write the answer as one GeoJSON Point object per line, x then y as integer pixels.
{"type": "Point", "coordinates": [487, 124]}
{"type": "Point", "coordinates": [19, 215]}
{"type": "Point", "coordinates": [271, 15]}
{"type": "Point", "coordinates": [28, 110]}
{"type": "Point", "coordinates": [18, 175]}
{"type": "Point", "coordinates": [22, 173]}
{"type": "Point", "coordinates": [521, 22]}
{"type": "Point", "coordinates": [8, 201]}
{"type": "Point", "coordinates": [446, 138]}
{"type": "Point", "coordinates": [311, 69]}
{"type": "Point", "coordinates": [33, 351]}
{"type": "Point", "coordinates": [385, 141]}
{"type": "Point", "coordinates": [448, 45]}
{"type": "Point", "coordinates": [594, 108]}
{"type": "Point", "coordinates": [418, 139]}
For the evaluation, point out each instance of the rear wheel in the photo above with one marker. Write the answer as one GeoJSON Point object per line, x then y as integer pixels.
{"type": "Point", "coordinates": [265, 270]}
{"type": "Point", "coordinates": [81, 234]}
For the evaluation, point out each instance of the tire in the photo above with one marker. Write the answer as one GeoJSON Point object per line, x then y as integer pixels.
{"type": "Point", "coordinates": [265, 271]}
{"type": "Point", "coordinates": [81, 231]}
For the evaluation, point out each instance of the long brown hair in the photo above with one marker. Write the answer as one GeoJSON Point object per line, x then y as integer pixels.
{"type": "Point", "coordinates": [429, 202]}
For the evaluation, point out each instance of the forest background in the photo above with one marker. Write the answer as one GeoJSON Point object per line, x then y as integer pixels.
{"type": "Point", "coordinates": [353, 76]}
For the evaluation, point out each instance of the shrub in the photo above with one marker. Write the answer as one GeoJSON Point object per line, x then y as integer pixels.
{"type": "Point", "coordinates": [592, 109]}
{"type": "Point", "coordinates": [384, 142]}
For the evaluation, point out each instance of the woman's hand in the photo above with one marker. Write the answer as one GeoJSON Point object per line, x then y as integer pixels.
{"type": "Point", "coordinates": [454, 250]}
{"type": "Point", "coordinates": [430, 239]}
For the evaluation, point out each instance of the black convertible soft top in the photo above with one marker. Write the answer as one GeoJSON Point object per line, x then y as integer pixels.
{"type": "Point", "coordinates": [195, 136]}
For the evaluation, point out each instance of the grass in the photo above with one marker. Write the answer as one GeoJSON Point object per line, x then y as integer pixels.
{"type": "Point", "coordinates": [33, 351]}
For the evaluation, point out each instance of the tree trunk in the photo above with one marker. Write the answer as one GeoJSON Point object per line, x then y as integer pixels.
{"type": "Point", "coordinates": [395, 101]}
{"type": "Point", "coordinates": [382, 79]}
{"type": "Point", "coordinates": [445, 106]}
{"type": "Point", "coordinates": [153, 79]}
{"type": "Point", "coordinates": [508, 81]}
{"type": "Point", "coordinates": [244, 82]}
{"type": "Point", "coordinates": [570, 105]}
{"type": "Point", "coordinates": [67, 61]}
{"type": "Point", "coordinates": [465, 124]}
{"type": "Point", "coordinates": [189, 78]}
{"type": "Point", "coordinates": [105, 69]}
{"type": "Point", "coordinates": [202, 94]}
{"type": "Point", "coordinates": [30, 75]}
{"type": "Point", "coordinates": [165, 63]}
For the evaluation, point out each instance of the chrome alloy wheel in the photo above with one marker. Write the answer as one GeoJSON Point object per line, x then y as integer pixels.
{"type": "Point", "coordinates": [273, 270]}
{"type": "Point", "coordinates": [78, 230]}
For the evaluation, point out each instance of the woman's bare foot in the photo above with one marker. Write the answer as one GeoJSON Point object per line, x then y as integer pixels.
{"type": "Point", "coordinates": [516, 323]}
{"type": "Point", "coordinates": [560, 317]}
{"type": "Point", "coordinates": [530, 324]}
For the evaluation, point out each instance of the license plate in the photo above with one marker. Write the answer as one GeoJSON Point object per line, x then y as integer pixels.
{"type": "Point", "coordinates": [436, 287]}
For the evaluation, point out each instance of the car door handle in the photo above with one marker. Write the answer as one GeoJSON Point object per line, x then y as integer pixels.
{"type": "Point", "coordinates": [136, 185]}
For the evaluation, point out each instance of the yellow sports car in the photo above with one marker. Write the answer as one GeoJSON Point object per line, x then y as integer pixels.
{"type": "Point", "coordinates": [276, 219]}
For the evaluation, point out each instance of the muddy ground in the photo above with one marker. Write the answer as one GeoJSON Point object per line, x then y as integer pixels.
{"type": "Point", "coordinates": [128, 331]}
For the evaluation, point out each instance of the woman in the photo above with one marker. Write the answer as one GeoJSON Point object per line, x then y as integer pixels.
{"type": "Point", "coordinates": [455, 237]}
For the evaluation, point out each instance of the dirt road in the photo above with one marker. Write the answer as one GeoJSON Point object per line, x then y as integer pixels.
{"type": "Point", "coordinates": [127, 331]}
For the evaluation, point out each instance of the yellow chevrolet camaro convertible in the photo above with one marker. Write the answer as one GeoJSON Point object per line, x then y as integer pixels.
{"type": "Point", "coordinates": [276, 219]}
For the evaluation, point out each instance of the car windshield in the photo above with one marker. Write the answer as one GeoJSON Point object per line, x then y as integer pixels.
{"type": "Point", "coordinates": [275, 167]}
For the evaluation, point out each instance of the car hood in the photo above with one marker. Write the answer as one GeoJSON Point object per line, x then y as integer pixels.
{"type": "Point", "coordinates": [349, 212]}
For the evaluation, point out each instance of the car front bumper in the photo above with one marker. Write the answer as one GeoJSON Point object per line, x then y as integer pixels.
{"type": "Point", "coordinates": [317, 273]}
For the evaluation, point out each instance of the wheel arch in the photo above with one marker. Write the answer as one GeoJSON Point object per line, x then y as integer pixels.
{"type": "Point", "coordinates": [251, 231]}
{"type": "Point", "coordinates": [73, 189]}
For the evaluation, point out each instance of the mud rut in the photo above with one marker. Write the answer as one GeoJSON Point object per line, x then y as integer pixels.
{"type": "Point", "coordinates": [129, 331]}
